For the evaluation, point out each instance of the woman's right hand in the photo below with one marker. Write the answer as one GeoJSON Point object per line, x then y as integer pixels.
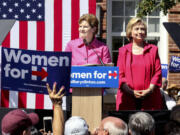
{"type": "Point", "coordinates": [137, 94]}
{"type": "Point", "coordinates": [142, 93]}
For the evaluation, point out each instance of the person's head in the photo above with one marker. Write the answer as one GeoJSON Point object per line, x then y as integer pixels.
{"type": "Point", "coordinates": [172, 128]}
{"type": "Point", "coordinates": [18, 122]}
{"type": "Point", "coordinates": [136, 30]}
{"type": "Point", "coordinates": [112, 126]}
{"type": "Point", "coordinates": [76, 125]}
{"type": "Point", "coordinates": [173, 90]}
{"type": "Point", "coordinates": [175, 114]}
{"type": "Point", "coordinates": [164, 83]}
{"type": "Point", "coordinates": [88, 26]}
{"type": "Point", "coordinates": [141, 123]}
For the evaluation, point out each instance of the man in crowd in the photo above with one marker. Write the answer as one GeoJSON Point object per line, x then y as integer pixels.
{"type": "Point", "coordinates": [173, 126]}
{"type": "Point", "coordinates": [141, 123]}
{"type": "Point", "coordinates": [76, 125]}
{"type": "Point", "coordinates": [112, 126]}
{"type": "Point", "coordinates": [18, 122]}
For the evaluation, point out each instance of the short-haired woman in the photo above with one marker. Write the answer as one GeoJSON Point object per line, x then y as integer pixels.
{"type": "Point", "coordinates": [87, 49]}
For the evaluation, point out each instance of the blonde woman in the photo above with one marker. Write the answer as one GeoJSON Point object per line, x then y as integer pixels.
{"type": "Point", "coordinates": [140, 71]}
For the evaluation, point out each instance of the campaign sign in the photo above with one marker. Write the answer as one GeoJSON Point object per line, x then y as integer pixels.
{"type": "Point", "coordinates": [164, 69]}
{"type": "Point", "coordinates": [29, 71]}
{"type": "Point", "coordinates": [174, 65]}
{"type": "Point", "coordinates": [98, 76]}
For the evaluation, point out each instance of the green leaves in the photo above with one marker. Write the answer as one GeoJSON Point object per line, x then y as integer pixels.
{"type": "Point", "coordinates": [146, 7]}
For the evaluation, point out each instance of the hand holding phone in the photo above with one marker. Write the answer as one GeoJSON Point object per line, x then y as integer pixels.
{"type": "Point", "coordinates": [47, 122]}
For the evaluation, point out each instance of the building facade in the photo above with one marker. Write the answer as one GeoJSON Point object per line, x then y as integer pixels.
{"type": "Point", "coordinates": [173, 50]}
{"type": "Point", "coordinates": [114, 16]}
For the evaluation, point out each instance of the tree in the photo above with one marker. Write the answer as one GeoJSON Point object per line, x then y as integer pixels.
{"type": "Point", "coordinates": [146, 7]}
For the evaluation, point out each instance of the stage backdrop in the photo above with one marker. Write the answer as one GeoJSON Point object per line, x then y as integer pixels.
{"type": "Point", "coordinates": [54, 27]}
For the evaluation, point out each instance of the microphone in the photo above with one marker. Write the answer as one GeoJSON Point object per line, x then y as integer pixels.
{"type": "Point", "coordinates": [86, 43]}
{"type": "Point", "coordinates": [102, 63]}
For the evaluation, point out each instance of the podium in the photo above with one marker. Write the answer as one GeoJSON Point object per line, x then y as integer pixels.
{"type": "Point", "coordinates": [87, 91]}
{"type": "Point", "coordinates": [87, 103]}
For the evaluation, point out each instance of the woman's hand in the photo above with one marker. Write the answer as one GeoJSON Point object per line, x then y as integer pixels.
{"type": "Point", "coordinates": [137, 94]}
{"type": "Point", "coordinates": [56, 98]}
{"type": "Point", "coordinates": [146, 92]}
{"type": "Point", "coordinates": [142, 93]}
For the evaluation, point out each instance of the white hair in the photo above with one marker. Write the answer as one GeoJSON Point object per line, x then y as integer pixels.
{"type": "Point", "coordinates": [141, 123]}
{"type": "Point", "coordinates": [114, 130]}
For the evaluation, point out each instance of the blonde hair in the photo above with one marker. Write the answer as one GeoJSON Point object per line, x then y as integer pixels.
{"type": "Point", "coordinates": [130, 25]}
{"type": "Point", "coordinates": [91, 19]}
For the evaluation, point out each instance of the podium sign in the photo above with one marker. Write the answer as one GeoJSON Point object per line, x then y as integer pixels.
{"type": "Point", "coordinates": [87, 92]}
{"type": "Point", "coordinates": [29, 71]}
{"type": "Point", "coordinates": [96, 76]}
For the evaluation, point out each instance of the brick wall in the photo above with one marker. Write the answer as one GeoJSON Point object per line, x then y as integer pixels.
{"type": "Point", "coordinates": [103, 17]}
{"type": "Point", "coordinates": [173, 16]}
{"type": "Point", "coordinates": [107, 106]}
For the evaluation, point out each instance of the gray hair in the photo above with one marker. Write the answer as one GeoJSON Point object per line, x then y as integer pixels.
{"type": "Point", "coordinates": [141, 123]}
{"type": "Point", "coordinates": [114, 130]}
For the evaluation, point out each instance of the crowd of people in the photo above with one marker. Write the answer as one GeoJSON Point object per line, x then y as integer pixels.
{"type": "Point", "coordinates": [170, 95]}
{"type": "Point", "coordinates": [140, 81]}
{"type": "Point", "coordinates": [18, 122]}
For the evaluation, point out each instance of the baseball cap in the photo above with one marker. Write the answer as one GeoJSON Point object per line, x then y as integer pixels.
{"type": "Point", "coordinates": [18, 119]}
{"type": "Point", "coordinates": [76, 125]}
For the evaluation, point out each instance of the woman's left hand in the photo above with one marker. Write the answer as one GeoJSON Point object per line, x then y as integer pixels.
{"type": "Point", "coordinates": [146, 92]}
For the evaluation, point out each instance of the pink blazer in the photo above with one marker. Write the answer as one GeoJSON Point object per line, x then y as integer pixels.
{"type": "Point", "coordinates": [82, 54]}
{"type": "Point", "coordinates": [152, 76]}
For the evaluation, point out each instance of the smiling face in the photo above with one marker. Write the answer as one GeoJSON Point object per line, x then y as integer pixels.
{"type": "Point", "coordinates": [86, 31]}
{"type": "Point", "coordinates": [138, 32]}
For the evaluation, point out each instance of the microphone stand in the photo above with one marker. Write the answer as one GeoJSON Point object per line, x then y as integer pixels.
{"type": "Point", "coordinates": [86, 43]}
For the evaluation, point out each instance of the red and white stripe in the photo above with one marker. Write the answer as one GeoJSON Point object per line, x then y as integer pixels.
{"type": "Point", "coordinates": [59, 27]}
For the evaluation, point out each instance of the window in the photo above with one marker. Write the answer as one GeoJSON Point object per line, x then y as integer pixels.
{"type": "Point", "coordinates": [119, 12]}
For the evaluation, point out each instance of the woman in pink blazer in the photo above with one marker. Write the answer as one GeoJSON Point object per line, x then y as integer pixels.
{"type": "Point", "coordinates": [140, 71]}
{"type": "Point", "coordinates": [87, 49]}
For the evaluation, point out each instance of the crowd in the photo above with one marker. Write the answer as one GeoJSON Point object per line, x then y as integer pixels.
{"type": "Point", "coordinates": [18, 122]}
{"type": "Point", "coordinates": [140, 81]}
{"type": "Point", "coordinates": [170, 95]}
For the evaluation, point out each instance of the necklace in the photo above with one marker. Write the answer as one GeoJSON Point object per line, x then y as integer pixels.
{"type": "Point", "coordinates": [137, 49]}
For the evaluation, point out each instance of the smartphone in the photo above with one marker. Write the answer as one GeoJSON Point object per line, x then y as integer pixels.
{"type": "Point", "coordinates": [47, 123]}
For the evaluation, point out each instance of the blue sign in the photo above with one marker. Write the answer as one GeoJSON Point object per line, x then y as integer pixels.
{"type": "Point", "coordinates": [98, 76]}
{"type": "Point", "coordinates": [29, 71]}
{"type": "Point", "coordinates": [174, 65]}
{"type": "Point", "coordinates": [164, 69]}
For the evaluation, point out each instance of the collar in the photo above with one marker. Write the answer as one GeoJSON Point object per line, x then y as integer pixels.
{"type": "Point", "coordinates": [92, 44]}
{"type": "Point", "coordinates": [146, 47]}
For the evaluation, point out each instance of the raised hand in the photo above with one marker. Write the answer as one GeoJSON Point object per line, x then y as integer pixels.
{"type": "Point", "coordinates": [56, 98]}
